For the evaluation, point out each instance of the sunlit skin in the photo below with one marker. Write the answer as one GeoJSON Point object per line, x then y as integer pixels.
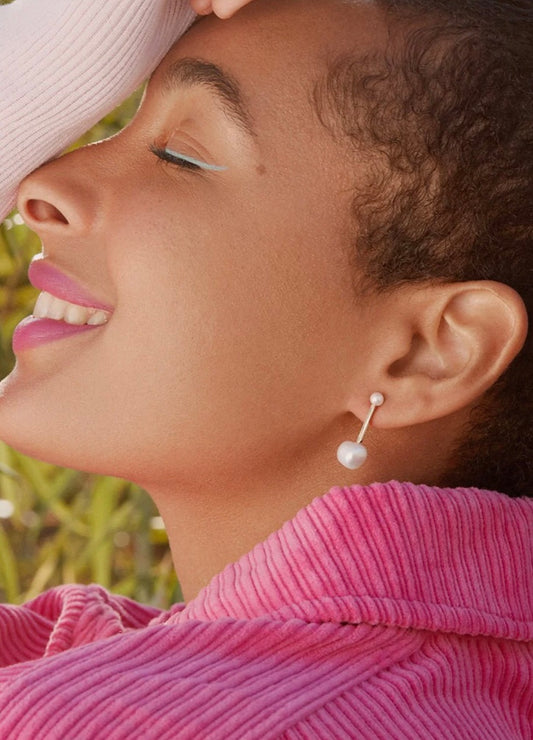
{"type": "Point", "coordinates": [237, 358]}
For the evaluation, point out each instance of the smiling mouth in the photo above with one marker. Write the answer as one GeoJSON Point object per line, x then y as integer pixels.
{"type": "Point", "coordinates": [51, 307]}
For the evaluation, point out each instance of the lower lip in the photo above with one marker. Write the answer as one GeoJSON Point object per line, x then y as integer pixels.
{"type": "Point", "coordinates": [33, 332]}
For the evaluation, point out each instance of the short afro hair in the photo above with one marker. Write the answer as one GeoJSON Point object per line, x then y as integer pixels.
{"type": "Point", "coordinates": [445, 116]}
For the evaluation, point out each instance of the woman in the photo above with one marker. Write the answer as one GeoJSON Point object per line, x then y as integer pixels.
{"type": "Point", "coordinates": [318, 216]}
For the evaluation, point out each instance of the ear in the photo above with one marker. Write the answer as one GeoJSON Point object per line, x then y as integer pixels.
{"type": "Point", "coordinates": [438, 348]}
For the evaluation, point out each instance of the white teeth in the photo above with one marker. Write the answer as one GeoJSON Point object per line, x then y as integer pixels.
{"type": "Point", "coordinates": [56, 309]}
{"type": "Point", "coordinates": [76, 315]}
{"type": "Point", "coordinates": [98, 318]}
{"type": "Point", "coordinates": [49, 307]}
{"type": "Point", "coordinates": [44, 302]}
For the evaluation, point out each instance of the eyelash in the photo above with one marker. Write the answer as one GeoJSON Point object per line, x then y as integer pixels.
{"type": "Point", "coordinates": [177, 161]}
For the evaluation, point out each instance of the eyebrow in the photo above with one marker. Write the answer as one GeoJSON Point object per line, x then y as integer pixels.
{"type": "Point", "coordinates": [190, 72]}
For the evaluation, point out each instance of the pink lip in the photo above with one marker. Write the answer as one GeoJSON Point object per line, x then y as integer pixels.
{"type": "Point", "coordinates": [33, 332]}
{"type": "Point", "coordinates": [46, 277]}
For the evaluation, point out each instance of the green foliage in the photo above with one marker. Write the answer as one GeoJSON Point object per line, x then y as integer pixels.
{"type": "Point", "coordinates": [67, 526]}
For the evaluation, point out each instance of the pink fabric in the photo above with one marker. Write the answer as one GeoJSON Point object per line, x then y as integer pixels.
{"type": "Point", "coordinates": [387, 611]}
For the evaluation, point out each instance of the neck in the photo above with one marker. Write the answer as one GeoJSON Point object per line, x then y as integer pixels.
{"type": "Point", "coordinates": [208, 532]}
{"type": "Point", "coordinates": [212, 525]}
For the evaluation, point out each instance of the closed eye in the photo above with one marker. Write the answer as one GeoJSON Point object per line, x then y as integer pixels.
{"type": "Point", "coordinates": [183, 160]}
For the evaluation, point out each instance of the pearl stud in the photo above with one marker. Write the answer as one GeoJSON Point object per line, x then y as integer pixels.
{"type": "Point", "coordinates": [353, 454]}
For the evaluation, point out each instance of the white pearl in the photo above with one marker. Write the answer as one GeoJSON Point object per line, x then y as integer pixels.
{"type": "Point", "coordinates": [377, 399]}
{"type": "Point", "coordinates": [351, 455]}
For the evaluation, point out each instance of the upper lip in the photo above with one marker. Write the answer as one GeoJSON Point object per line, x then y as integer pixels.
{"type": "Point", "coordinates": [47, 277]}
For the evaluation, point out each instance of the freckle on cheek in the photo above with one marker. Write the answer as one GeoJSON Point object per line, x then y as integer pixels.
{"type": "Point", "coordinates": [261, 169]}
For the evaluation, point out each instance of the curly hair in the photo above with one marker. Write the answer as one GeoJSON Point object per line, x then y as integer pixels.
{"type": "Point", "coordinates": [445, 117]}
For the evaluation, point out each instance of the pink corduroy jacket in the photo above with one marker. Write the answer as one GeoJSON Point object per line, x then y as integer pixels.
{"type": "Point", "coordinates": [387, 611]}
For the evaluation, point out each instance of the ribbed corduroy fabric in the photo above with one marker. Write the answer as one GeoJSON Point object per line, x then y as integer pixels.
{"type": "Point", "coordinates": [387, 611]}
{"type": "Point", "coordinates": [66, 63]}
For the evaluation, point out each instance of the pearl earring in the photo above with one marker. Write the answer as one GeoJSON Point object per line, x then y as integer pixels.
{"type": "Point", "coordinates": [353, 454]}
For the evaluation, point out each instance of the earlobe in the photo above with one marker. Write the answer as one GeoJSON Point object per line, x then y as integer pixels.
{"type": "Point", "coordinates": [450, 343]}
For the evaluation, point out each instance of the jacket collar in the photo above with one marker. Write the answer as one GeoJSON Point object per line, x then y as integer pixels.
{"type": "Point", "coordinates": [452, 560]}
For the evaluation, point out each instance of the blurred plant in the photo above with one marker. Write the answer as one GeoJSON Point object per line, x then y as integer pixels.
{"type": "Point", "coordinates": [58, 525]}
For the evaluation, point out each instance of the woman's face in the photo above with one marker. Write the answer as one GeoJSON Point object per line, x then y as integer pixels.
{"type": "Point", "coordinates": [233, 333]}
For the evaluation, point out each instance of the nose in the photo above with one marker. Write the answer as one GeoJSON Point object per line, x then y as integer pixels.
{"type": "Point", "coordinates": [59, 198]}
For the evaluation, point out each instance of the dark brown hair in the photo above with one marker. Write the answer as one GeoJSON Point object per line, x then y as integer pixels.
{"type": "Point", "coordinates": [445, 118]}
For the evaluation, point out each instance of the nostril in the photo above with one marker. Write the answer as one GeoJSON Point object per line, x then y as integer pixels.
{"type": "Point", "coordinates": [41, 211]}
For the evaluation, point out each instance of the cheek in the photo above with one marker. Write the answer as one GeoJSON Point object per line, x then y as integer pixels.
{"type": "Point", "coordinates": [224, 347]}
{"type": "Point", "coordinates": [220, 338]}
{"type": "Point", "coordinates": [237, 281]}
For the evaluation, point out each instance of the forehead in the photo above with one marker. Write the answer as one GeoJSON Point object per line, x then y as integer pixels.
{"type": "Point", "coordinates": [276, 51]}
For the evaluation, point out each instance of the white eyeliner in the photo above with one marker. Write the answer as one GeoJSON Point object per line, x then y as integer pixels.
{"type": "Point", "coordinates": [197, 162]}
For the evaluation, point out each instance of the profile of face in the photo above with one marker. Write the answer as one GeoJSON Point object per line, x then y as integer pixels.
{"type": "Point", "coordinates": [213, 229]}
